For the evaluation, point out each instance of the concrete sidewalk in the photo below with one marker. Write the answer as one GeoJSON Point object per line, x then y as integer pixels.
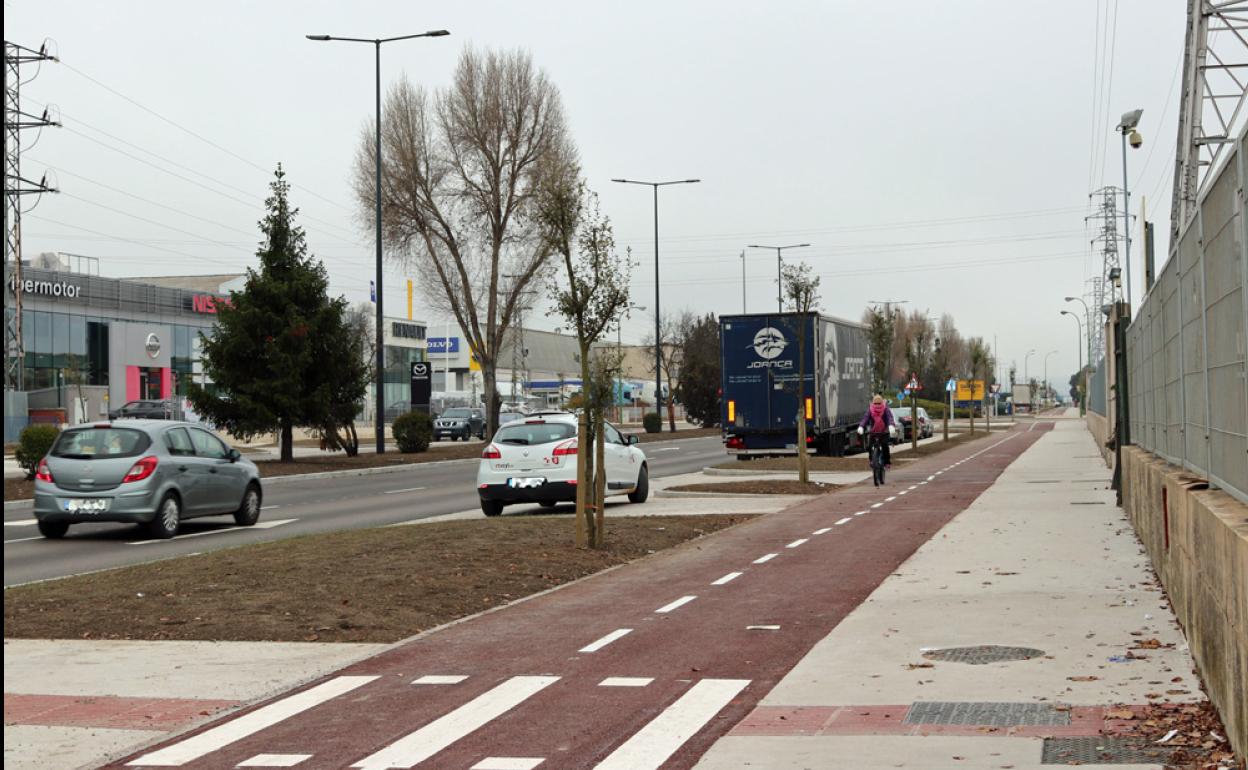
{"type": "Point", "coordinates": [1043, 560]}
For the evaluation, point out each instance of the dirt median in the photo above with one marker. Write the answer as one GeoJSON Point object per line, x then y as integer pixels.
{"type": "Point", "coordinates": [759, 487]}
{"type": "Point", "coordinates": [851, 463]}
{"type": "Point", "coordinates": [375, 585]}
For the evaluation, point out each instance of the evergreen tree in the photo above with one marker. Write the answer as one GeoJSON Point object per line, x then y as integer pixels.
{"type": "Point", "coordinates": [699, 383]}
{"type": "Point", "coordinates": [281, 355]}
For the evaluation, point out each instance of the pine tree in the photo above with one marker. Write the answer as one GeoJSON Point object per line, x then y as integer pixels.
{"type": "Point", "coordinates": [699, 383]}
{"type": "Point", "coordinates": [281, 355]}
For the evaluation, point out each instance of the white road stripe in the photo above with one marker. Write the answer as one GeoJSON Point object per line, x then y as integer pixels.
{"type": "Point", "coordinates": [604, 641]}
{"type": "Point", "coordinates": [440, 679]}
{"type": "Point", "coordinates": [257, 525]}
{"type": "Point", "coordinates": [626, 681]}
{"type": "Point", "coordinates": [766, 558]}
{"type": "Point", "coordinates": [665, 449]}
{"type": "Point", "coordinates": [762, 628]}
{"type": "Point", "coordinates": [844, 520]}
{"type": "Point", "coordinates": [416, 747]}
{"type": "Point", "coordinates": [823, 531]}
{"type": "Point", "coordinates": [234, 730]}
{"type": "Point", "coordinates": [731, 576]}
{"type": "Point", "coordinates": [903, 492]}
{"type": "Point", "coordinates": [399, 491]}
{"type": "Point", "coordinates": [861, 513]}
{"type": "Point", "coordinates": [508, 763]}
{"type": "Point", "coordinates": [912, 487]}
{"type": "Point", "coordinates": [269, 508]}
{"type": "Point", "coordinates": [931, 478]}
{"type": "Point", "coordinates": [797, 542]}
{"type": "Point", "coordinates": [890, 499]}
{"type": "Point", "coordinates": [25, 523]}
{"type": "Point", "coordinates": [24, 539]}
{"type": "Point", "coordinates": [682, 601]}
{"type": "Point", "coordinates": [653, 744]}
{"type": "Point", "coordinates": [274, 760]}
{"type": "Point", "coordinates": [876, 505]}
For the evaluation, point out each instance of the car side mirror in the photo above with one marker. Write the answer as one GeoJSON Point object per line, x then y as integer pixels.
{"type": "Point", "coordinates": [234, 455]}
{"type": "Point", "coordinates": [632, 439]}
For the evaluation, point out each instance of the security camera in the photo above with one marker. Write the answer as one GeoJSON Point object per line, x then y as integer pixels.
{"type": "Point", "coordinates": [1135, 139]}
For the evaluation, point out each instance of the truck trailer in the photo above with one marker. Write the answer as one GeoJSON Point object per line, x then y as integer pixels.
{"type": "Point", "coordinates": [761, 369]}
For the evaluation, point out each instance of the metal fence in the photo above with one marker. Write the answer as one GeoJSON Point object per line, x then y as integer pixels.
{"type": "Point", "coordinates": [1188, 371]}
{"type": "Point", "coordinates": [1096, 389]}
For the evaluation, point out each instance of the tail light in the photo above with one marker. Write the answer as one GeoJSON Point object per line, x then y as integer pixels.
{"type": "Point", "coordinates": [810, 439]}
{"type": "Point", "coordinates": [44, 473]}
{"type": "Point", "coordinates": [491, 453]}
{"type": "Point", "coordinates": [140, 470]}
{"type": "Point", "coordinates": [566, 448]}
{"type": "Point", "coordinates": [735, 442]}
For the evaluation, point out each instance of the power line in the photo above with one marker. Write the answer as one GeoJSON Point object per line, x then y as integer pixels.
{"type": "Point", "coordinates": [1109, 90]}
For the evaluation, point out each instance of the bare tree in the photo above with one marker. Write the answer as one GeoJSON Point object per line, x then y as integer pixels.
{"type": "Point", "coordinates": [801, 288]}
{"type": "Point", "coordinates": [980, 363]}
{"type": "Point", "coordinates": [673, 331]}
{"type": "Point", "coordinates": [460, 174]}
{"type": "Point", "coordinates": [591, 293]}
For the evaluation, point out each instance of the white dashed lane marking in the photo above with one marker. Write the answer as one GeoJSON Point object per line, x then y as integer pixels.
{"type": "Point", "coordinates": [653, 744]}
{"type": "Point", "coordinates": [876, 505]}
{"type": "Point", "coordinates": [798, 542]}
{"type": "Point", "coordinates": [823, 531]}
{"type": "Point", "coordinates": [626, 681]}
{"type": "Point", "coordinates": [608, 639]}
{"type": "Point", "coordinates": [890, 499]}
{"type": "Point", "coordinates": [257, 525]}
{"type": "Point", "coordinates": [508, 763]}
{"type": "Point", "coordinates": [682, 601]}
{"type": "Point", "coordinates": [400, 491]}
{"type": "Point", "coordinates": [440, 679]}
{"type": "Point", "coordinates": [731, 576]}
{"type": "Point", "coordinates": [249, 724]}
{"type": "Point", "coordinates": [762, 628]}
{"type": "Point", "coordinates": [31, 522]}
{"type": "Point", "coordinates": [417, 746]}
{"type": "Point", "coordinates": [766, 558]}
{"type": "Point", "coordinates": [274, 760]}
{"type": "Point", "coordinates": [844, 521]}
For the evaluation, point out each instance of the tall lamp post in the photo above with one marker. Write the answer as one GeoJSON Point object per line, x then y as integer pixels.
{"type": "Point", "coordinates": [619, 346]}
{"type": "Point", "coordinates": [1048, 388]}
{"type": "Point", "coordinates": [379, 385]}
{"type": "Point", "coordinates": [1083, 375]}
{"type": "Point", "coordinates": [779, 263]}
{"type": "Point", "coordinates": [1027, 378]}
{"type": "Point", "coordinates": [658, 338]}
{"type": "Point", "coordinates": [1087, 319]}
{"type": "Point", "coordinates": [1127, 128]}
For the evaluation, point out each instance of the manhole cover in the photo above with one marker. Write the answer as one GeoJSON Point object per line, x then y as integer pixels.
{"type": "Point", "coordinates": [1099, 750]}
{"type": "Point", "coordinates": [982, 654]}
{"type": "Point", "coordinates": [991, 714]}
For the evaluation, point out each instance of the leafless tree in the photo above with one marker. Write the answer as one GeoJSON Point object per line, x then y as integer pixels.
{"type": "Point", "coordinates": [801, 289]}
{"type": "Point", "coordinates": [673, 331]}
{"type": "Point", "coordinates": [460, 172]}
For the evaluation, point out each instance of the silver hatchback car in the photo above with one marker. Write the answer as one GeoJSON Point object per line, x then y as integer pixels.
{"type": "Point", "coordinates": [151, 472]}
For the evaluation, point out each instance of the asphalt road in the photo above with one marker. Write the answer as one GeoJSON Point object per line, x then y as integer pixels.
{"type": "Point", "coordinates": [291, 509]}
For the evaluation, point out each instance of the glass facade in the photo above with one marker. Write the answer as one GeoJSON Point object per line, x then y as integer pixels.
{"type": "Point", "coordinates": [398, 380]}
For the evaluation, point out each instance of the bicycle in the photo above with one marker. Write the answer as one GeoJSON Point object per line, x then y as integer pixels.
{"type": "Point", "coordinates": [876, 449]}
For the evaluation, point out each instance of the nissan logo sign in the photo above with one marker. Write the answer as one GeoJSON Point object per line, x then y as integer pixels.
{"type": "Point", "coordinates": [152, 346]}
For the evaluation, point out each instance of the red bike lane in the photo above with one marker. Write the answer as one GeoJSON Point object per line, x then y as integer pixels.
{"type": "Point", "coordinates": [642, 666]}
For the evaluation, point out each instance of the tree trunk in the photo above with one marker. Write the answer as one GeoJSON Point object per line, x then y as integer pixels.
{"type": "Point", "coordinates": [600, 480]}
{"type": "Point", "coordinates": [489, 376]}
{"type": "Point", "coordinates": [352, 444]}
{"type": "Point", "coordinates": [583, 456]}
{"type": "Point", "coordinates": [288, 442]}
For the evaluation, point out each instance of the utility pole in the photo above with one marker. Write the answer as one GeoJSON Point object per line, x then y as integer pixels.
{"type": "Point", "coordinates": [743, 282]}
{"type": "Point", "coordinates": [15, 186]}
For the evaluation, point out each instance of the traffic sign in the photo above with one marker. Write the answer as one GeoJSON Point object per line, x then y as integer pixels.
{"type": "Point", "coordinates": [951, 385]}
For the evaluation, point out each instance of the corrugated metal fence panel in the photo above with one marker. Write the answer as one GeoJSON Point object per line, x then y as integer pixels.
{"type": "Point", "coordinates": [1096, 389]}
{"type": "Point", "coordinates": [1192, 319]}
{"type": "Point", "coordinates": [1171, 361]}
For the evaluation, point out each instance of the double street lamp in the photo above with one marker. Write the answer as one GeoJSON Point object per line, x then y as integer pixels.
{"type": "Point", "coordinates": [379, 385]}
{"type": "Point", "coordinates": [658, 336]}
{"type": "Point", "coordinates": [1126, 127]}
{"type": "Point", "coordinates": [779, 270]}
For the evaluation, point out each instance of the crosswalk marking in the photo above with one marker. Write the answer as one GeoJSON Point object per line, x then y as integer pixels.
{"type": "Point", "coordinates": [682, 601]}
{"type": "Point", "coordinates": [440, 679]}
{"type": "Point", "coordinates": [604, 641]}
{"type": "Point", "coordinates": [274, 760]}
{"type": "Point", "coordinates": [653, 744]}
{"type": "Point", "coordinates": [236, 729]}
{"type": "Point", "coordinates": [509, 763]}
{"type": "Point", "coordinates": [731, 576]}
{"type": "Point", "coordinates": [416, 747]}
{"type": "Point", "coordinates": [626, 681]}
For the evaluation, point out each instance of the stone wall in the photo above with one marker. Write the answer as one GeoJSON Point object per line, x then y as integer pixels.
{"type": "Point", "coordinates": [1099, 428]}
{"type": "Point", "coordinates": [1197, 539]}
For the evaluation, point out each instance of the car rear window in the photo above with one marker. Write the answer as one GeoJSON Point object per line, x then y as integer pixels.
{"type": "Point", "coordinates": [457, 413]}
{"type": "Point", "coordinates": [529, 433]}
{"type": "Point", "coordinates": [100, 443]}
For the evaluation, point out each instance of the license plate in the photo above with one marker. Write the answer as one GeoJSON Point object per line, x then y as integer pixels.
{"type": "Point", "coordinates": [528, 482]}
{"type": "Point", "coordinates": [86, 505]}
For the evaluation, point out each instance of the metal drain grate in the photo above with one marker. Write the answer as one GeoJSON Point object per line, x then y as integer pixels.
{"type": "Point", "coordinates": [983, 654]}
{"type": "Point", "coordinates": [989, 714]}
{"type": "Point", "coordinates": [1088, 502]}
{"type": "Point", "coordinates": [1099, 750]}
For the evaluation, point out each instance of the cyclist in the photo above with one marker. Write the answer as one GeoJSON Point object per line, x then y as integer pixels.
{"type": "Point", "coordinates": [878, 421]}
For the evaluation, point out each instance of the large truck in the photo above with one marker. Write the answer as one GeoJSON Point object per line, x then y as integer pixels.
{"type": "Point", "coordinates": [760, 371]}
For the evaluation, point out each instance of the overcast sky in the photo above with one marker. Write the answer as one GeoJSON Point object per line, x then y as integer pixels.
{"type": "Point", "coordinates": [938, 153]}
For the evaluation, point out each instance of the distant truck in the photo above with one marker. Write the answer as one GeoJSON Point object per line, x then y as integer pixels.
{"type": "Point", "coordinates": [760, 369]}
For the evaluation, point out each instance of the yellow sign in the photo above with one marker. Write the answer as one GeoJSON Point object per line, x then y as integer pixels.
{"type": "Point", "coordinates": [970, 390]}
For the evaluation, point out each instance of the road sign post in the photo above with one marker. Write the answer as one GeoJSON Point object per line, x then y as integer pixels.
{"type": "Point", "coordinates": [913, 387]}
{"type": "Point", "coordinates": [950, 386]}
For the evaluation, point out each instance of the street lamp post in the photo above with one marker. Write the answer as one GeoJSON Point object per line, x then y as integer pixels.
{"type": "Point", "coordinates": [1047, 387]}
{"type": "Point", "coordinates": [1027, 378]}
{"type": "Point", "coordinates": [379, 385]}
{"type": "Point", "coordinates": [1083, 375]}
{"type": "Point", "coordinates": [1127, 128]}
{"type": "Point", "coordinates": [779, 263]}
{"type": "Point", "coordinates": [619, 346]}
{"type": "Point", "coordinates": [658, 339]}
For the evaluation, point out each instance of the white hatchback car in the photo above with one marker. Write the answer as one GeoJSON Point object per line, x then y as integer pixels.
{"type": "Point", "coordinates": [534, 461]}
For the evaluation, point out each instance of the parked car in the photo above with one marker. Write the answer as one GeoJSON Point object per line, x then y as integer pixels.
{"type": "Point", "coordinates": [534, 461]}
{"type": "Point", "coordinates": [905, 430]}
{"type": "Point", "coordinates": [506, 417]}
{"type": "Point", "coordinates": [902, 428]}
{"type": "Point", "coordinates": [143, 410]}
{"type": "Point", "coordinates": [151, 472]}
{"type": "Point", "coordinates": [459, 422]}
{"type": "Point", "coordinates": [929, 429]}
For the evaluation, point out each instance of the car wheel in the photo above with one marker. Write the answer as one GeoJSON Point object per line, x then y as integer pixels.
{"type": "Point", "coordinates": [168, 516]}
{"type": "Point", "coordinates": [642, 491]}
{"type": "Point", "coordinates": [249, 512]}
{"type": "Point", "coordinates": [492, 507]}
{"type": "Point", "coordinates": [548, 503]}
{"type": "Point", "coordinates": [53, 530]}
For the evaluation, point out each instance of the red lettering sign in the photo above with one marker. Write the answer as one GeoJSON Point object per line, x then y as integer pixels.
{"type": "Point", "coordinates": [207, 303]}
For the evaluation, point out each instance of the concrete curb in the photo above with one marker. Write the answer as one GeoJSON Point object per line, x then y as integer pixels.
{"type": "Point", "coordinates": [709, 471]}
{"type": "Point", "coordinates": [19, 505]}
{"type": "Point", "coordinates": [744, 495]}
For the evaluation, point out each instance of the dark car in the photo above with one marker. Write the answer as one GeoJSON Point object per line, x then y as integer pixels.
{"type": "Point", "coordinates": [905, 428]}
{"type": "Point", "coordinates": [459, 423]}
{"type": "Point", "coordinates": [143, 410]}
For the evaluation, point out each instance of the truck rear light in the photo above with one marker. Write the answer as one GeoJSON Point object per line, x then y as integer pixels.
{"type": "Point", "coordinates": [140, 470]}
{"type": "Point", "coordinates": [732, 412]}
{"type": "Point", "coordinates": [735, 442]}
{"type": "Point", "coordinates": [44, 473]}
{"type": "Point", "coordinates": [810, 439]}
{"type": "Point", "coordinates": [491, 453]}
{"type": "Point", "coordinates": [810, 409]}
{"type": "Point", "coordinates": [566, 448]}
